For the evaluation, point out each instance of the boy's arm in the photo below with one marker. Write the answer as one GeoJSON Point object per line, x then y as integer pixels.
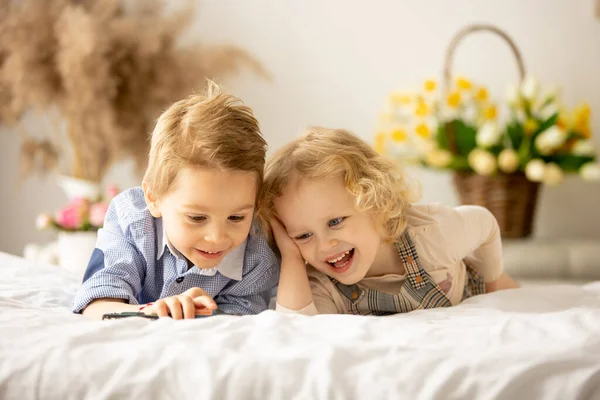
{"type": "Point", "coordinates": [97, 308]}
{"type": "Point", "coordinates": [251, 295]}
{"type": "Point", "coordinates": [115, 272]}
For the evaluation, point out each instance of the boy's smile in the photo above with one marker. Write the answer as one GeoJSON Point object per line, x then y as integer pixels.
{"type": "Point", "coordinates": [207, 213]}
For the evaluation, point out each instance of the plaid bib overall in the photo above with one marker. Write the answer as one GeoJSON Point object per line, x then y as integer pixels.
{"type": "Point", "coordinates": [418, 290]}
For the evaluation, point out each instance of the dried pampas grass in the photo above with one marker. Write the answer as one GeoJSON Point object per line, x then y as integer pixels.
{"type": "Point", "coordinates": [100, 72]}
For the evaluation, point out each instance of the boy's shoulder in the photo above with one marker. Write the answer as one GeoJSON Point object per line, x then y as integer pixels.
{"type": "Point", "coordinates": [258, 252]}
{"type": "Point", "coordinates": [129, 208]}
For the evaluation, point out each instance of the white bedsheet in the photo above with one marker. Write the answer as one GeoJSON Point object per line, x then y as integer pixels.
{"type": "Point", "coordinates": [529, 343]}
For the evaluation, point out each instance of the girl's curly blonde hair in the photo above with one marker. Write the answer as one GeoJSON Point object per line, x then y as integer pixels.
{"type": "Point", "coordinates": [378, 184]}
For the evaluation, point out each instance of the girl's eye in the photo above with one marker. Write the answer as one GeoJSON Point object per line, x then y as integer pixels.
{"type": "Point", "coordinates": [197, 218]}
{"type": "Point", "coordinates": [336, 221]}
{"type": "Point", "coordinates": [303, 236]}
{"type": "Point", "coordinates": [237, 218]}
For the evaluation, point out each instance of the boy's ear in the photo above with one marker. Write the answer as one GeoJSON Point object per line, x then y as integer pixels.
{"type": "Point", "coordinates": [151, 201]}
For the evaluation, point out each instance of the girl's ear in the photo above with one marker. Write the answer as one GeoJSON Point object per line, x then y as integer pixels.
{"type": "Point", "coordinates": [151, 201]}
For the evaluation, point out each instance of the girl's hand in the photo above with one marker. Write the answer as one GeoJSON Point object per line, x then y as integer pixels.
{"type": "Point", "coordinates": [192, 302]}
{"type": "Point", "coordinates": [287, 247]}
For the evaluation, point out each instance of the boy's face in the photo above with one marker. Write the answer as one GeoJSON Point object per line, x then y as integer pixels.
{"type": "Point", "coordinates": [207, 213]}
{"type": "Point", "coordinates": [319, 215]}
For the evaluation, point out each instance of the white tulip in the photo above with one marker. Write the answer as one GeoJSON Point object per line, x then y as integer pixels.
{"type": "Point", "coordinates": [553, 174]}
{"type": "Point", "coordinates": [551, 93]}
{"type": "Point", "coordinates": [508, 161]}
{"type": "Point", "coordinates": [488, 135]}
{"type": "Point", "coordinates": [535, 169]}
{"type": "Point", "coordinates": [512, 94]}
{"type": "Point", "coordinates": [470, 114]}
{"type": "Point", "coordinates": [483, 162]}
{"type": "Point", "coordinates": [590, 172]}
{"type": "Point", "coordinates": [547, 111]}
{"type": "Point", "coordinates": [530, 88]}
{"type": "Point", "coordinates": [439, 158]}
{"type": "Point", "coordinates": [550, 139]}
{"type": "Point", "coordinates": [584, 148]}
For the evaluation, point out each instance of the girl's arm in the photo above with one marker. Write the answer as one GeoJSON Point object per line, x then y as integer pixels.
{"type": "Point", "coordinates": [474, 234]}
{"type": "Point", "coordinates": [294, 293]}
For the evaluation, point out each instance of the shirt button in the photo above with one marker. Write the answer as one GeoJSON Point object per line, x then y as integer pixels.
{"type": "Point", "coordinates": [418, 279]}
{"type": "Point", "coordinates": [409, 259]}
{"type": "Point", "coordinates": [179, 280]}
{"type": "Point", "coordinates": [354, 295]}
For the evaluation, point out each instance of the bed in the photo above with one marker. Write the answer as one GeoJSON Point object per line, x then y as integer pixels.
{"type": "Point", "coordinates": [530, 343]}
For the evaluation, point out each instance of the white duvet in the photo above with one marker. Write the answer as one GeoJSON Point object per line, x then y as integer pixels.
{"type": "Point", "coordinates": [530, 343]}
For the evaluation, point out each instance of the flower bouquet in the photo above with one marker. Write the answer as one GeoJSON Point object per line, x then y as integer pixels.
{"type": "Point", "coordinates": [500, 152]}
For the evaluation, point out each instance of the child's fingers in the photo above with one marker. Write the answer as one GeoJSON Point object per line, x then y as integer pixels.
{"type": "Point", "coordinates": [161, 309]}
{"type": "Point", "coordinates": [195, 292]}
{"type": "Point", "coordinates": [174, 307]}
{"type": "Point", "coordinates": [277, 226]}
{"type": "Point", "coordinates": [188, 307]}
{"type": "Point", "coordinates": [204, 301]}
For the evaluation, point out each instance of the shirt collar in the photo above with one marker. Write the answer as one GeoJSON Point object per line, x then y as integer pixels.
{"type": "Point", "coordinates": [231, 266]}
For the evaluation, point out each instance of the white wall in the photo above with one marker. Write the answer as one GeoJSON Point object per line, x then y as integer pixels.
{"type": "Point", "coordinates": [333, 62]}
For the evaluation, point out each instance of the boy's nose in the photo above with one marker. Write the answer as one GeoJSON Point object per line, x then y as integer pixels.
{"type": "Point", "coordinates": [216, 235]}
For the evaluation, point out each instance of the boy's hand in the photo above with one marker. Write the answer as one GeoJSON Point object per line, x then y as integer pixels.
{"type": "Point", "coordinates": [287, 247]}
{"type": "Point", "coordinates": [192, 302]}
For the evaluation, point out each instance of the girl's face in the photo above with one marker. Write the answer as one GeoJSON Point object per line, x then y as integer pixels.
{"type": "Point", "coordinates": [319, 215]}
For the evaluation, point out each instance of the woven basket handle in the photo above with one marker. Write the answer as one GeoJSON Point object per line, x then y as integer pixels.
{"type": "Point", "coordinates": [450, 56]}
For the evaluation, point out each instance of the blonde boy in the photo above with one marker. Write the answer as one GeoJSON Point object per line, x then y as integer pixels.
{"type": "Point", "coordinates": [185, 242]}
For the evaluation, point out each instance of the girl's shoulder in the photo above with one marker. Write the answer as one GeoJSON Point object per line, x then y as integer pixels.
{"type": "Point", "coordinates": [423, 214]}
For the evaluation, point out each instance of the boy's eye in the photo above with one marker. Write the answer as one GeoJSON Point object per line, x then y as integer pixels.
{"type": "Point", "coordinates": [336, 221]}
{"type": "Point", "coordinates": [197, 218]}
{"type": "Point", "coordinates": [237, 218]}
{"type": "Point", "coordinates": [303, 236]}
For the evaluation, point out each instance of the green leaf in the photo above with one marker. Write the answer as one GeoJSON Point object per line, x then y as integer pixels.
{"type": "Point", "coordinates": [441, 138]}
{"type": "Point", "coordinates": [546, 124]}
{"type": "Point", "coordinates": [459, 163]}
{"type": "Point", "coordinates": [569, 162]}
{"type": "Point", "coordinates": [515, 134]}
{"type": "Point", "coordinates": [465, 137]}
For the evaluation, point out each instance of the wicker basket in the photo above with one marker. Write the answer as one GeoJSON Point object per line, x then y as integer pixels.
{"type": "Point", "coordinates": [512, 198]}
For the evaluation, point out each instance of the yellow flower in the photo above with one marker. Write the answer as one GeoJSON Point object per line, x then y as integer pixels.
{"type": "Point", "coordinates": [562, 121]}
{"type": "Point", "coordinates": [482, 94]}
{"type": "Point", "coordinates": [490, 113]}
{"type": "Point", "coordinates": [454, 100]}
{"type": "Point", "coordinates": [379, 145]}
{"type": "Point", "coordinates": [463, 83]}
{"type": "Point", "coordinates": [423, 131]}
{"type": "Point", "coordinates": [399, 135]}
{"type": "Point", "coordinates": [422, 110]}
{"type": "Point", "coordinates": [581, 121]}
{"type": "Point", "coordinates": [430, 85]}
{"type": "Point", "coordinates": [400, 99]}
{"type": "Point", "coordinates": [530, 126]}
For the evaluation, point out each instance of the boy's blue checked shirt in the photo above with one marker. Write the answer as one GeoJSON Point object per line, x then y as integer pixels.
{"type": "Point", "coordinates": [133, 261]}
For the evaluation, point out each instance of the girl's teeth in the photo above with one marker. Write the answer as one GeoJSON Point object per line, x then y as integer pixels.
{"type": "Point", "coordinates": [339, 258]}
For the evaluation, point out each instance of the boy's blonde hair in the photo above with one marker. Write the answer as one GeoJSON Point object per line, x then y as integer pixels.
{"type": "Point", "coordinates": [377, 183]}
{"type": "Point", "coordinates": [212, 130]}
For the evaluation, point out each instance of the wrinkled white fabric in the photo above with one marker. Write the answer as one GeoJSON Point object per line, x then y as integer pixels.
{"type": "Point", "coordinates": [530, 343]}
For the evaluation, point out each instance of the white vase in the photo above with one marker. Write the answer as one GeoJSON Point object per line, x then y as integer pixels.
{"type": "Point", "coordinates": [79, 188]}
{"type": "Point", "coordinates": [75, 250]}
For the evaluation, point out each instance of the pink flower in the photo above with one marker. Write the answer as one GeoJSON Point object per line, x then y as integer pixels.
{"type": "Point", "coordinates": [112, 191]}
{"type": "Point", "coordinates": [97, 214]}
{"type": "Point", "coordinates": [69, 217]}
